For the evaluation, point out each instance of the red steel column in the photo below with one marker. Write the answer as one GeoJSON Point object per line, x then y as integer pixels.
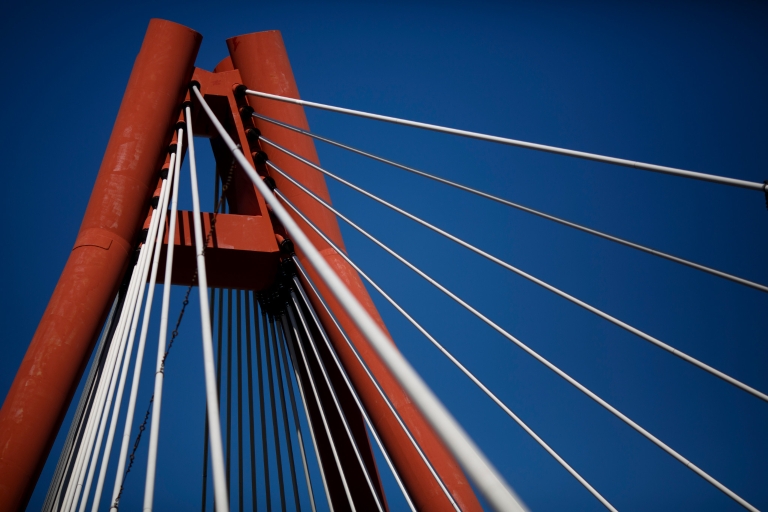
{"type": "Point", "coordinates": [263, 63]}
{"type": "Point", "coordinates": [49, 374]}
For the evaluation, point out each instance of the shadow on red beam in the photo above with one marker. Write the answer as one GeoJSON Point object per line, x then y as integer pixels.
{"type": "Point", "coordinates": [241, 253]}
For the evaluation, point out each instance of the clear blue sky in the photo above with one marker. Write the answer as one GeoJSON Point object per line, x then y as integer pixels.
{"type": "Point", "coordinates": [679, 84]}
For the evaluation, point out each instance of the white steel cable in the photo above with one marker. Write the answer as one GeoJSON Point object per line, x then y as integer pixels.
{"type": "Point", "coordinates": [107, 398]}
{"type": "Point", "coordinates": [79, 420]}
{"type": "Point", "coordinates": [83, 453]}
{"type": "Point", "coordinates": [75, 484]}
{"type": "Point", "coordinates": [152, 249]}
{"type": "Point", "coordinates": [124, 357]}
{"type": "Point", "coordinates": [383, 395]}
{"type": "Point", "coordinates": [323, 418]}
{"type": "Point", "coordinates": [92, 417]}
{"type": "Point", "coordinates": [519, 143]}
{"type": "Point", "coordinates": [274, 328]}
{"type": "Point", "coordinates": [450, 356]}
{"type": "Point", "coordinates": [540, 358]}
{"type": "Point", "coordinates": [605, 316]}
{"type": "Point", "coordinates": [294, 364]}
{"type": "Point", "coordinates": [157, 397]}
{"type": "Point", "coordinates": [485, 477]}
{"type": "Point", "coordinates": [60, 480]}
{"type": "Point", "coordinates": [350, 387]}
{"type": "Point", "coordinates": [606, 236]}
{"type": "Point", "coordinates": [221, 496]}
{"type": "Point", "coordinates": [98, 421]}
{"type": "Point", "coordinates": [335, 398]}
{"type": "Point", "coordinates": [280, 349]}
{"type": "Point", "coordinates": [163, 206]}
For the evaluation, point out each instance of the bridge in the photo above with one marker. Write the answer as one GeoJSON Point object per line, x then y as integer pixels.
{"type": "Point", "coordinates": [303, 384]}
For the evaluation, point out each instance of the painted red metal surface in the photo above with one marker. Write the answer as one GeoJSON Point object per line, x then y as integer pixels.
{"type": "Point", "coordinates": [49, 374]}
{"type": "Point", "coordinates": [262, 61]}
{"type": "Point", "coordinates": [241, 253]}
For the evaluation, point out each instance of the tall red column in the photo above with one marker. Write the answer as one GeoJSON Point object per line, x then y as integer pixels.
{"type": "Point", "coordinates": [263, 63]}
{"type": "Point", "coordinates": [49, 374]}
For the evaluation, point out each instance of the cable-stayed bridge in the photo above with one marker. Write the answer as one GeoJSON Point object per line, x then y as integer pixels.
{"type": "Point", "coordinates": [293, 347]}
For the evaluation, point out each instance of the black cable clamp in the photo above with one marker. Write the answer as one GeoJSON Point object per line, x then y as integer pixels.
{"type": "Point", "coordinates": [239, 90]}
{"type": "Point", "coordinates": [172, 148]}
{"type": "Point", "coordinates": [269, 182]}
{"type": "Point", "coordinates": [246, 112]}
{"type": "Point", "coordinates": [164, 173]}
{"type": "Point", "coordinates": [286, 248]}
{"type": "Point", "coordinates": [259, 157]}
{"type": "Point", "coordinates": [154, 202]}
{"type": "Point", "coordinates": [194, 83]}
{"type": "Point", "coordinates": [143, 235]}
{"type": "Point", "coordinates": [252, 134]}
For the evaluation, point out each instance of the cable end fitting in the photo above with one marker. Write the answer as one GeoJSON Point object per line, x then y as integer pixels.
{"type": "Point", "coordinates": [239, 90]}
{"type": "Point", "coordinates": [269, 182]}
{"type": "Point", "coordinates": [164, 173]}
{"type": "Point", "coordinates": [172, 148]}
{"type": "Point", "coordinates": [154, 201]}
{"type": "Point", "coordinates": [259, 157]}
{"type": "Point", "coordinates": [246, 111]}
{"type": "Point", "coordinates": [287, 248]}
{"type": "Point", "coordinates": [193, 84]}
{"type": "Point", "coordinates": [252, 134]}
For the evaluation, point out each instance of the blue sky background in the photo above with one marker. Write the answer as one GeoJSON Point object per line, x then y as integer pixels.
{"type": "Point", "coordinates": [679, 84]}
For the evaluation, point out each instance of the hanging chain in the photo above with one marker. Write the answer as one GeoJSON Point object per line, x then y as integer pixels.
{"type": "Point", "coordinates": [175, 333]}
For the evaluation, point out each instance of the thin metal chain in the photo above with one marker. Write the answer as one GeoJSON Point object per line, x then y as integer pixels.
{"type": "Point", "coordinates": [175, 332]}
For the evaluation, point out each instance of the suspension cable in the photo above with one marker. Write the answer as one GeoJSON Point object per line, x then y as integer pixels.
{"type": "Point", "coordinates": [138, 364]}
{"type": "Point", "coordinates": [88, 458]}
{"type": "Point", "coordinates": [75, 458]}
{"type": "Point", "coordinates": [122, 361]}
{"type": "Point", "coordinates": [637, 332]}
{"type": "Point", "coordinates": [286, 330]}
{"type": "Point", "coordinates": [351, 388]}
{"type": "Point", "coordinates": [316, 394]}
{"type": "Point", "coordinates": [251, 423]}
{"type": "Point", "coordinates": [585, 229]}
{"type": "Point", "coordinates": [75, 431]}
{"type": "Point", "coordinates": [488, 481]}
{"type": "Point", "coordinates": [210, 391]}
{"type": "Point", "coordinates": [284, 415]}
{"type": "Point", "coordinates": [262, 408]}
{"type": "Point", "coordinates": [71, 497]}
{"type": "Point", "coordinates": [295, 413]}
{"type": "Point", "coordinates": [540, 358]}
{"type": "Point", "coordinates": [228, 430]}
{"type": "Point", "coordinates": [335, 398]}
{"type": "Point", "coordinates": [154, 431]}
{"type": "Point", "coordinates": [273, 409]}
{"type": "Point", "coordinates": [519, 143]}
{"type": "Point", "coordinates": [204, 485]}
{"type": "Point", "coordinates": [373, 380]}
{"type": "Point", "coordinates": [238, 321]}
{"type": "Point", "coordinates": [447, 354]}
{"type": "Point", "coordinates": [154, 235]}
